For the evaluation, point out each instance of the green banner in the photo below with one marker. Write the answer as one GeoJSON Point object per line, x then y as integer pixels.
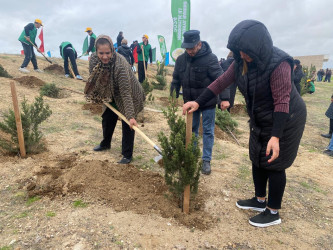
{"type": "Point", "coordinates": [180, 11]}
{"type": "Point", "coordinates": [163, 48]}
{"type": "Point", "coordinates": [153, 52]}
{"type": "Point", "coordinates": [85, 45]}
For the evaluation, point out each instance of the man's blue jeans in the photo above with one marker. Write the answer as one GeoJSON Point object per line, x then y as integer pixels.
{"type": "Point", "coordinates": [29, 55]}
{"type": "Point", "coordinates": [208, 125]}
{"type": "Point", "coordinates": [330, 146]}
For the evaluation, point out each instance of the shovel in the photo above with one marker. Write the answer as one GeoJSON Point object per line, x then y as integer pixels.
{"type": "Point", "coordinates": [39, 52]}
{"type": "Point", "coordinates": [156, 158]}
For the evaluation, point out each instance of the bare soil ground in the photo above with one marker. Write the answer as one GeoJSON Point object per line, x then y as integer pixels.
{"type": "Point", "coordinates": [71, 197]}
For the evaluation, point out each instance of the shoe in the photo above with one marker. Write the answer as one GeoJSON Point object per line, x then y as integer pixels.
{"type": "Point", "coordinates": [39, 70]}
{"type": "Point", "coordinates": [67, 75]}
{"type": "Point", "coordinates": [252, 204]}
{"type": "Point", "coordinates": [265, 219]}
{"type": "Point", "coordinates": [329, 136]}
{"type": "Point", "coordinates": [100, 148]}
{"type": "Point", "coordinates": [328, 152]}
{"type": "Point", "coordinates": [78, 77]}
{"type": "Point", "coordinates": [206, 168]}
{"type": "Point", "coordinates": [125, 160]}
{"type": "Point", "coordinates": [24, 70]}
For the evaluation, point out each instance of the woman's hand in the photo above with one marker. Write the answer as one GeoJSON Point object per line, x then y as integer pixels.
{"type": "Point", "coordinates": [190, 107]}
{"type": "Point", "coordinates": [273, 145]}
{"type": "Point", "coordinates": [133, 123]}
{"type": "Point", "coordinates": [224, 105]}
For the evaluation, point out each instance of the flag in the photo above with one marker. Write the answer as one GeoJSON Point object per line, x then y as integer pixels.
{"type": "Point", "coordinates": [115, 45]}
{"type": "Point", "coordinates": [153, 53]}
{"type": "Point", "coordinates": [48, 53]}
{"type": "Point", "coordinates": [22, 52]}
{"type": "Point", "coordinates": [163, 48]}
{"type": "Point", "coordinates": [180, 11]}
{"type": "Point", "coordinates": [166, 60]}
{"type": "Point", "coordinates": [41, 38]}
{"type": "Point", "coordinates": [85, 45]}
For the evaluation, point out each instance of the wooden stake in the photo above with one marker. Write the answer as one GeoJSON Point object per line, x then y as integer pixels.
{"type": "Point", "coordinates": [187, 189]}
{"type": "Point", "coordinates": [18, 119]}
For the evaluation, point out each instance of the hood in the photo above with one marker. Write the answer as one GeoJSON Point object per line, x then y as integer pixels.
{"type": "Point", "coordinates": [125, 47]}
{"type": "Point", "coordinates": [109, 40]}
{"type": "Point", "coordinates": [252, 38]}
{"type": "Point", "coordinates": [205, 49]}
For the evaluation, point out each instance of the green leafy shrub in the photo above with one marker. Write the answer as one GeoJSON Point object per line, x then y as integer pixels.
{"type": "Point", "coordinates": [32, 116]}
{"type": "Point", "coordinates": [4, 73]}
{"type": "Point", "coordinates": [161, 82]}
{"type": "Point", "coordinates": [147, 88]}
{"type": "Point", "coordinates": [50, 90]}
{"type": "Point", "coordinates": [224, 121]}
{"type": "Point", "coordinates": [182, 166]}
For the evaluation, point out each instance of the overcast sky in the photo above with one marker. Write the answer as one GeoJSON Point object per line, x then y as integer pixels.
{"type": "Point", "coordinates": [299, 27]}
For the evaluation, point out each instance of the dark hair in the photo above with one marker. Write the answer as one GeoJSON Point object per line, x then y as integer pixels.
{"type": "Point", "coordinates": [297, 62]}
{"type": "Point", "coordinates": [102, 41]}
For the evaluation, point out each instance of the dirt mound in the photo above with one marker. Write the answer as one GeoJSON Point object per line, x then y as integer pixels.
{"type": "Point", "coordinates": [93, 107]}
{"type": "Point", "coordinates": [30, 81]}
{"type": "Point", "coordinates": [55, 68]}
{"type": "Point", "coordinates": [123, 187]}
{"type": "Point", "coordinates": [238, 109]}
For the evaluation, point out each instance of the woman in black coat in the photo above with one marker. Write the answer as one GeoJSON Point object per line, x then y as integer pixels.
{"type": "Point", "coordinates": [263, 74]}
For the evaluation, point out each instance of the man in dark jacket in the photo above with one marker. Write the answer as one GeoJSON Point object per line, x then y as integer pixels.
{"type": "Point", "coordinates": [92, 39]}
{"type": "Point", "coordinates": [120, 37]}
{"type": "Point", "coordinates": [298, 75]}
{"type": "Point", "coordinates": [194, 71]}
{"type": "Point", "coordinates": [225, 64]}
{"type": "Point", "coordinates": [125, 51]}
{"type": "Point", "coordinates": [27, 38]}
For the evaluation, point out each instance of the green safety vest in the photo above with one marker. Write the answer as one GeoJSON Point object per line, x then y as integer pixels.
{"type": "Point", "coordinates": [32, 36]}
{"type": "Point", "coordinates": [63, 45]}
{"type": "Point", "coordinates": [146, 51]}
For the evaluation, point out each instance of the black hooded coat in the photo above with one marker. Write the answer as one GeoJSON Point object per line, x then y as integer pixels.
{"type": "Point", "coordinates": [252, 38]}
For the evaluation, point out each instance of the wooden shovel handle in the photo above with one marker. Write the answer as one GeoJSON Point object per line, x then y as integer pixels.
{"type": "Point", "coordinates": [37, 50]}
{"type": "Point", "coordinates": [134, 127]}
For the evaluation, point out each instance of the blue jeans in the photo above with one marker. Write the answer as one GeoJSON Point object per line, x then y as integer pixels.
{"type": "Point", "coordinates": [208, 125]}
{"type": "Point", "coordinates": [330, 146]}
{"type": "Point", "coordinates": [29, 55]}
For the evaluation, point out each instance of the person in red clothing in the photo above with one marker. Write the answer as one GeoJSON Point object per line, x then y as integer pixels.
{"type": "Point", "coordinates": [277, 113]}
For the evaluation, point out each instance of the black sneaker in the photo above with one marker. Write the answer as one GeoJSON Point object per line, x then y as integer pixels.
{"type": "Point", "coordinates": [265, 219]}
{"type": "Point", "coordinates": [125, 160]}
{"type": "Point", "coordinates": [329, 136]}
{"type": "Point", "coordinates": [206, 169]}
{"type": "Point", "coordinates": [252, 204]}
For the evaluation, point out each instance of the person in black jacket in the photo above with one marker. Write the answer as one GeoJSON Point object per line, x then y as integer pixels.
{"type": "Point", "coordinates": [194, 71]}
{"type": "Point", "coordinates": [263, 74]}
{"type": "Point", "coordinates": [225, 64]}
{"type": "Point", "coordinates": [298, 75]}
{"type": "Point", "coordinates": [126, 52]}
{"type": "Point", "coordinates": [120, 37]}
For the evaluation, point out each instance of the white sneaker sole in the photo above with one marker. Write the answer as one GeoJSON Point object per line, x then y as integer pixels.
{"type": "Point", "coordinates": [251, 208]}
{"type": "Point", "coordinates": [276, 222]}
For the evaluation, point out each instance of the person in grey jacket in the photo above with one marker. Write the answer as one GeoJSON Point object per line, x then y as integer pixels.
{"type": "Point", "coordinates": [194, 71]}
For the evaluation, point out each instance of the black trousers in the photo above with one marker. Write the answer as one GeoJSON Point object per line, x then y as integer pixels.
{"type": "Point", "coordinates": [29, 55]}
{"type": "Point", "coordinates": [69, 53]}
{"type": "Point", "coordinates": [276, 184]}
{"type": "Point", "coordinates": [109, 122]}
{"type": "Point", "coordinates": [141, 71]}
{"type": "Point", "coordinates": [233, 89]}
{"type": "Point", "coordinates": [331, 127]}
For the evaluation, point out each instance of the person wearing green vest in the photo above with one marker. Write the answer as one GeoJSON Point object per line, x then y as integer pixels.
{"type": "Point", "coordinates": [91, 41]}
{"type": "Point", "coordinates": [145, 46]}
{"type": "Point", "coordinates": [67, 51]}
{"type": "Point", "coordinates": [27, 37]}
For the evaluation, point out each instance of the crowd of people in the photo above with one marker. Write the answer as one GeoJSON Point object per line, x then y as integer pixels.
{"type": "Point", "coordinates": [267, 77]}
